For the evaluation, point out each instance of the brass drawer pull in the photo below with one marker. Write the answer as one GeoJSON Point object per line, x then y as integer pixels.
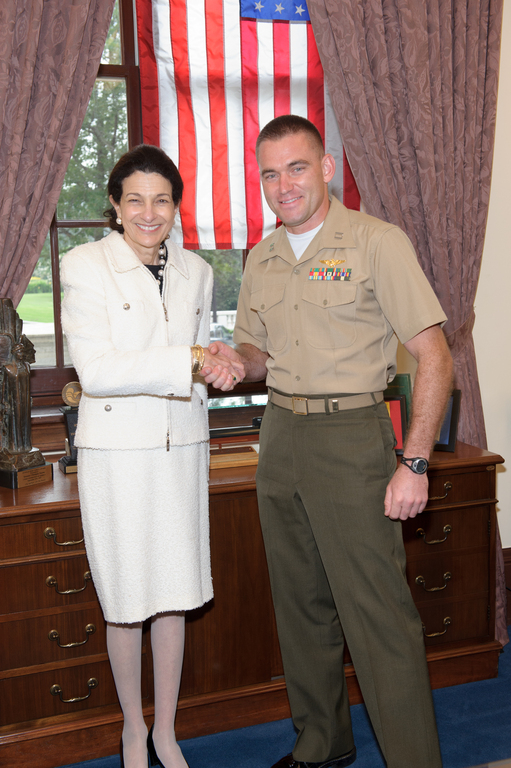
{"type": "Point", "coordinates": [51, 581]}
{"type": "Point", "coordinates": [422, 582]}
{"type": "Point", "coordinates": [421, 533]}
{"type": "Point", "coordinates": [54, 635]}
{"type": "Point", "coordinates": [447, 488]}
{"type": "Point", "coordinates": [56, 690]}
{"type": "Point", "coordinates": [50, 534]}
{"type": "Point", "coordinates": [446, 624]}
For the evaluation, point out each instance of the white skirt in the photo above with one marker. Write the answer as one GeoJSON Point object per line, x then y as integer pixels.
{"type": "Point", "coordinates": [146, 528]}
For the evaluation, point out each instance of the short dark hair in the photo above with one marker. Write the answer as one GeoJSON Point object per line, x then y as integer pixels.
{"type": "Point", "coordinates": [287, 125]}
{"type": "Point", "coordinates": [147, 159]}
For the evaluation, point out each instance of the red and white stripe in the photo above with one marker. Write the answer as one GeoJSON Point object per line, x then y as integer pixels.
{"type": "Point", "coordinates": [210, 82]}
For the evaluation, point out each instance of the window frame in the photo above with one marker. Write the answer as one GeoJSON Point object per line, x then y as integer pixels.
{"type": "Point", "coordinates": [47, 382]}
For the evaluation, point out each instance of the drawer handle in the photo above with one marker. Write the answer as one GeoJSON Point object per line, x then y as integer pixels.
{"type": "Point", "coordinates": [446, 623]}
{"type": "Point", "coordinates": [51, 581]}
{"type": "Point", "coordinates": [54, 635]}
{"type": "Point", "coordinates": [421, 533]}
{"type": "Point", "coordinates": [56, 690]}
{"type": "Point", "coordinates": [447, 488]}
{"type": "Point", "coordinates": [50, 534]}
{"type": "Point", "coordinates": [422, 582]}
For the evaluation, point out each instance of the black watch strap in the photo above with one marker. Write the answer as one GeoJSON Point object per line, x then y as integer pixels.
{"type": "Point", "coordinates": [417, 464]}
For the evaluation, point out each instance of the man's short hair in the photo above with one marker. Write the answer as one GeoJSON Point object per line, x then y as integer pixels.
{"type": "Point", "coordinates": [288, 125]}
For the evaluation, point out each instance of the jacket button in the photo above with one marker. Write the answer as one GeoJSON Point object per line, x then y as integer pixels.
{"type": "Point", "coordinates": [108, 407]}
{"type": "Point", "coordinates": [198, 311]}
{"type": "Point", "coordinates": [263, 306]}
{"type": "Point", "coordinates": [126, 306]}
{"type": "Point", "coordinates": [325, 302]}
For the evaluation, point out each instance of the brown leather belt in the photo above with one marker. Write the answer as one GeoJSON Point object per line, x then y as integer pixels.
{"type": "Point", "coordinates": [302, 405]}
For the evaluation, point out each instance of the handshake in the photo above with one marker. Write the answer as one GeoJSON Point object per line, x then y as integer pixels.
{"type": "Point", "coordinates": [223, 367]}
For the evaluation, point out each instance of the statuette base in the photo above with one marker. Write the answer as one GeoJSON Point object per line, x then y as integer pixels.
{"type": "Point", "coordinates": [23, 478]}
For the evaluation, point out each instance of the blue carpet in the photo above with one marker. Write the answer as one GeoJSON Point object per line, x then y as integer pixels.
{"type": "Point", "coordinates": [474, 723]}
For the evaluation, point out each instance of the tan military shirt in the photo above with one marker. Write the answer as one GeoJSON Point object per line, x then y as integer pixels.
{"type": "Point", "coordinates": [329, 321]}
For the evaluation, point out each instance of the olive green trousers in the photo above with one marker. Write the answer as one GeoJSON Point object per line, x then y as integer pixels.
{"type": "Point", "coordinates": [337, 570]}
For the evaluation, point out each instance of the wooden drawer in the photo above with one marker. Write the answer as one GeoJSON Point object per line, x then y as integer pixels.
{"type": "Point", "coordinates": [29, 697]}
{"type": "Point", "coordinates": [30, 641]}
{"type": "Point", "coordinates": [447, 574]}
{"type": "Point", "coordinates": [41, 537]}
{"type": "Point", "coordinates": [459, 486]}
{"type": "Point", "coordinates": [24, 587]}
{"type": "Point", "coordinates": [447, 621]}
{"type": "Point", "coordinates": [446, 530]}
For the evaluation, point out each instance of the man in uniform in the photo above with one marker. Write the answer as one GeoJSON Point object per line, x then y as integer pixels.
{"type": "Point", "coordinates": [322, 303]}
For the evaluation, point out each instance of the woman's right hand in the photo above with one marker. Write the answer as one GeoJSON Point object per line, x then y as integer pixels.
{"type": "Point", "coordinates": [222, 371]}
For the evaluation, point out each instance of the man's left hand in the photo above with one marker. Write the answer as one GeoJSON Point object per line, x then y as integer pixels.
{"type": "Point", "coordinates": [407, 494]}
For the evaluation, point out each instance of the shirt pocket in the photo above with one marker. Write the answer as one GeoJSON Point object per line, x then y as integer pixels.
{"type": "Point", "coordinates": [269, 305]}
{"type": "Point", "coordinates": [330, 313]}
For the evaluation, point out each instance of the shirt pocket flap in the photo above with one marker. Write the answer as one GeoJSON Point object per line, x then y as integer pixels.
{"type": "Point", "coordinates": [329, 294]}
{"type": "Point", "coordinates": [267, 297]}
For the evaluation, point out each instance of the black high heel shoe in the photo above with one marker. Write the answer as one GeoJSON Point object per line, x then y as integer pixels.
{"type": "Point", "coordinates": [153, 757]}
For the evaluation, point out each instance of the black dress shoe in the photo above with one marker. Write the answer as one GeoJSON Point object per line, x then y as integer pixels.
{"type": "Point", "coordinates": [338, 762]}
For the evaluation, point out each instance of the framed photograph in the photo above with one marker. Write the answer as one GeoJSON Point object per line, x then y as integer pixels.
{"type": "Point", "coordinates": [449, 429]}
{"type": "Point", "coordinates": [401, 384]}
{"type": "Point", "coordinates": [396, 407]}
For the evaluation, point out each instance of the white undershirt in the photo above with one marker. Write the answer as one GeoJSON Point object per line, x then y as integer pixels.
{"type": "Point", "coordinates": [299, 243]}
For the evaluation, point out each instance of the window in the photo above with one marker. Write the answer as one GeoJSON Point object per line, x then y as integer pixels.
{"type": "Point", "coordinates": [112, 124]}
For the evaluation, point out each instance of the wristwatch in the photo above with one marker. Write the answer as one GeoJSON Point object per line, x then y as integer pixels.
{"type": "Point", "coordinates": [417, 464]}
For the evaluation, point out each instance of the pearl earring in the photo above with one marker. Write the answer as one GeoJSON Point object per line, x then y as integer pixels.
{"type": "Point", "coordinates": [118, 221]}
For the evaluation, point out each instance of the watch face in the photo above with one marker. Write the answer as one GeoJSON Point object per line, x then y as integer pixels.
{"type": "Point", "coordinates": [420, 466]}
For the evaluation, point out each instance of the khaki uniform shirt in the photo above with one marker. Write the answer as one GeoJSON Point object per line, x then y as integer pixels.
{"type": "Point", "coordinates": [337, 335]}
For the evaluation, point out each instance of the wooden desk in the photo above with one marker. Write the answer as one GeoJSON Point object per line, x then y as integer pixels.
{"type": "Point", "coordinates": [232, 674]}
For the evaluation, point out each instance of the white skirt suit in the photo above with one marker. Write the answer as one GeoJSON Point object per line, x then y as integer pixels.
{"type": "Point", "coordinates": [142, 429]}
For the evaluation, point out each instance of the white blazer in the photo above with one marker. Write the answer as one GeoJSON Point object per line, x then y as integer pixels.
{"type": "Point", "coordinates": [131, 348]}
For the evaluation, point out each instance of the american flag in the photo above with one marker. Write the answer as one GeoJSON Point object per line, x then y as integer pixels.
{"type": "Point", "coordinates": [213, 73]}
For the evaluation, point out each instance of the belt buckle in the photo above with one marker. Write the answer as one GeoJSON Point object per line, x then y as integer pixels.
{"type": "Point", "coordinates": [303, 400]}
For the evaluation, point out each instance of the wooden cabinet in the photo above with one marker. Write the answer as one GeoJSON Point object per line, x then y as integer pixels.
{"type": "Point", "coordinates": [52, 632]}
{"type": "Point", "coordinates": [450, 562]}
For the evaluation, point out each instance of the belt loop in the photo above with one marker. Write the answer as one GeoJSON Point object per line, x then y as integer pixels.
{"type": "Point", "coordinates": [375, 401]}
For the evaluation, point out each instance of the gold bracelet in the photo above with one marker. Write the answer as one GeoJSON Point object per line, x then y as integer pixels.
{"type": "Point", "coordinates": [197, 358]}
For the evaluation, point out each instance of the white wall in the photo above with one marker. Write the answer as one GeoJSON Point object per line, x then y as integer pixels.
{"type": "Point", "coordinates": [492, 330]}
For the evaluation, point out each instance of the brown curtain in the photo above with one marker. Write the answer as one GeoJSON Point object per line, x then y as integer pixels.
{"type": "Point", "coordinates": [413, 85]}
{"type": "Point", "coordinates": [50, 52]}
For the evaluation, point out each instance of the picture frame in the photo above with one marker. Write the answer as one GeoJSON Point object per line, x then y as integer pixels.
{"type": "Point", "coordinates": [396, 406]}
{"type": "Point", "coordinates": [449, 429]}
{"type": "Point", "coordinates": [401, 384]}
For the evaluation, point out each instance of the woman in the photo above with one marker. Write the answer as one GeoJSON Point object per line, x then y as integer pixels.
{"type": "Point", "coordinates": [136, 316]}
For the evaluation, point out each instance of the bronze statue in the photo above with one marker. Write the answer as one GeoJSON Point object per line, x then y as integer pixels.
{"type": "Point", "coordinates": [16, 354]}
